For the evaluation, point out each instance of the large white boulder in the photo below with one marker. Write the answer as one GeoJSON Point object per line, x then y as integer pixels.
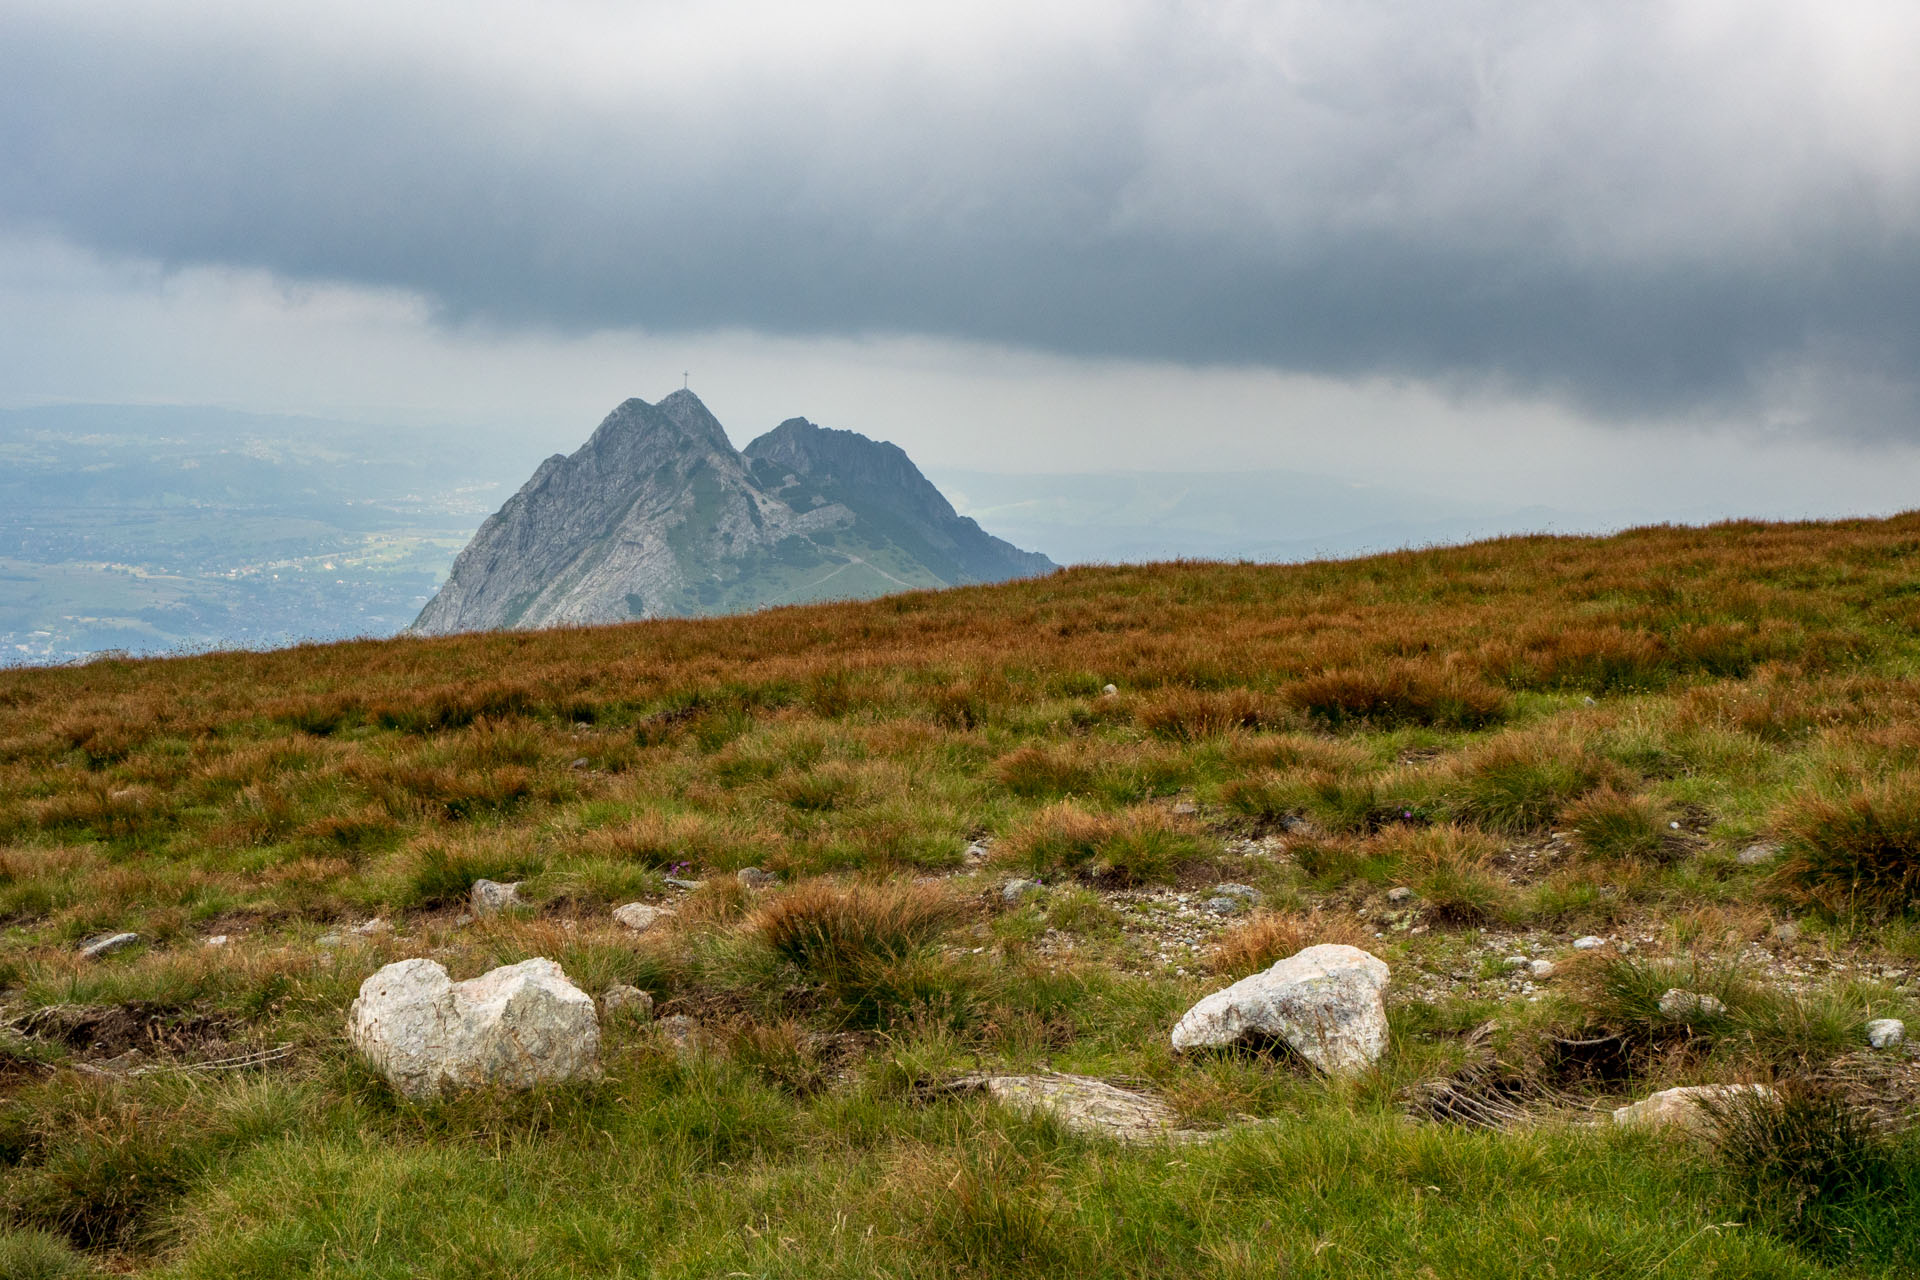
{"type": "Point", "coordinates": [1327, 1003]}
{"type": "Point", "coordinates": [512, 1028]}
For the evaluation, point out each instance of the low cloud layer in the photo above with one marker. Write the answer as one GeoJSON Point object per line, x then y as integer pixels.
{"type": "Point", "coordinates": [1645, 210]}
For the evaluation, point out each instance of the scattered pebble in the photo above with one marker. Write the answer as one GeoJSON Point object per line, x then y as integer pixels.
{"type": "Point", "coordinates": [674, 882]}
{"type": "Point", "coordinates": [217, 940]}
{"type": "Point", "coordinates": [755, 878]}
{"type": "Point", "coordinates": [1541, 968]}
{"type": "Point", "coordinates": [373, 928]}
{"type": "Point", "coordinates": [1399, 893]}
{"type": "Point", "coordinates": [1516, 962]}
{"type": "Point", "coordinates": [329, 940]}
{"type": "Point", "coordinates": [1110, 690]}
{"type": "Point", "coordinates": [1588, 943]}
{"type": "Point", "coordinates": [579, 763]}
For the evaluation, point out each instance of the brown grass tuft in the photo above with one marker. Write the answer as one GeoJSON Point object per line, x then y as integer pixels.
{"type": "Point", "coordinates": [1261, 940]}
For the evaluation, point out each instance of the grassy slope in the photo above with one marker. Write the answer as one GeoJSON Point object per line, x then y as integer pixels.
{"type": "Point", "coordinates": [1543, 737]}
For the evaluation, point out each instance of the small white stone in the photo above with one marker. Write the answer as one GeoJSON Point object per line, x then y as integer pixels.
{"type": "Point", "coordinates": [1541, 968]}
{"type": "Point", "coordinates": [1110, 690]}
{"type": "Point", "coordinates": [1399, 893]}
{"type": "Point", "coordinates": [373, 928]}
{"type": "Point", "coordinates": [107, 944]}
{"type": "Point", "coordinates": [755, 878]}
{"type": "Point", "coordinates": [1516, 962]}
{"type": "Point", "coordinates": [1588, 943]}
{"type": "Point", "coordinates": [1886, 1033]}
{"type": "Point", "coordinates": [217, 940]}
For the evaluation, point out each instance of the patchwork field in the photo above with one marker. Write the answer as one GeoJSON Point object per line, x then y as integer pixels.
{"type": "Point", "coordinates": [1694, 751]}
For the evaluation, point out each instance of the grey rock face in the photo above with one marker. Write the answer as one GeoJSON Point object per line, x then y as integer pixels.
{"type": "Point", "coordinates": [657, 515]}
{"type": "Point", "coordinates": [513, 1028]}
{"type": "Point", "coordinates": [1327, 1002]}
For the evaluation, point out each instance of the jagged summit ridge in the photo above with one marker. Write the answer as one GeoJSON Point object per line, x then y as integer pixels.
{"type": "Point", "coordinates": [657, 515]}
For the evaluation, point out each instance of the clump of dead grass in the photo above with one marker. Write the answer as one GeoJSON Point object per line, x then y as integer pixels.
{"type": "Point", "coordinates": [1857, 855]}
{"type": "Point", "coordinates": [1269, 936]}
{"type": "Point", "coordinates": [1139, 845]}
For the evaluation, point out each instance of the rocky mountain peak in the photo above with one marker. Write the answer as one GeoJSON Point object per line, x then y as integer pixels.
{"type": "Point", "coordinates": [658, 515]}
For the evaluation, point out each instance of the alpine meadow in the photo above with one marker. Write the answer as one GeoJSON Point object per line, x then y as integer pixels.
{"type": "Point", "coordinates": [924, 885]}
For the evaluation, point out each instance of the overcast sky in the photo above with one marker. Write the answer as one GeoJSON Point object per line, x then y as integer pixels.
{"type": "Point", "coordinates": [1666, 252]}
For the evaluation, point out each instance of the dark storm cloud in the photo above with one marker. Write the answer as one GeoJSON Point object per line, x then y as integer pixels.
{"type": "Point", "coordinates": [1606, 203]}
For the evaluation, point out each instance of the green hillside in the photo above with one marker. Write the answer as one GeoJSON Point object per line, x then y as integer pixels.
{"type": "Point", "coordinates": [1697, 748]}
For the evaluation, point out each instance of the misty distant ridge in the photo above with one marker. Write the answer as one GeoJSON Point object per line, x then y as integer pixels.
{"type": "Point", "coordinates": [156, 529]}
{"type": "Point", "coordinates": [658, 516]}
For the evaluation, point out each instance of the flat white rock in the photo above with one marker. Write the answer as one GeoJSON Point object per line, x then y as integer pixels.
{"type": "Point", "coordinates": [1886, 1033]}
{"type": "Point", "coordinates": [514, 1027]}
{"type": "Point", "coordinates": [1327, 1002]}
{"type": "Point", "coordinates": [107, 944]}
{"type": "Point", "coordinates": [1085, 1105]}
{"type": "Point", "coordinates": [1689, 1107]}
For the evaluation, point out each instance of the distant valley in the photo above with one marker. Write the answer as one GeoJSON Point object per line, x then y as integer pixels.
{"type": "Point", "coordinates": [155, 528]}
